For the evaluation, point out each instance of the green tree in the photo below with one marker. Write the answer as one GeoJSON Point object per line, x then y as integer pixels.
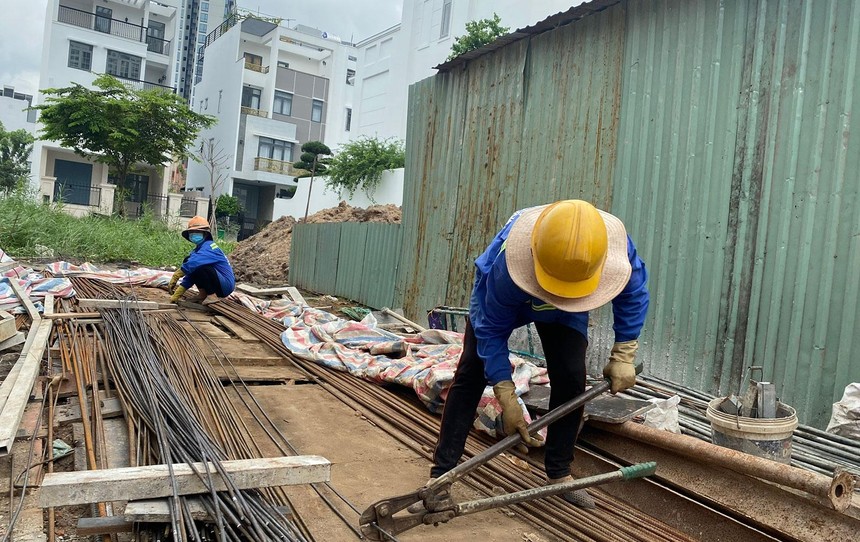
{"type": "Point", "coordinates": [115, 125]}
{"type": "Point", "coordinates": [478, 34]}
{"type": "Point", "coordinates": [359, 164]}
{"type": "Point", "coordinates": [227, 206]}
{"type": "Point", "coordinates": [315, 161]}
{"type": "Point", "coordinates": [15, 149]}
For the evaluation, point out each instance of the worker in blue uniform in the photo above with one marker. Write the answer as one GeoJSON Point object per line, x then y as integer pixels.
{"type": "Point", "coordinates": [549, 265]}
{"type": "Point", "coordinates": [205, 267]}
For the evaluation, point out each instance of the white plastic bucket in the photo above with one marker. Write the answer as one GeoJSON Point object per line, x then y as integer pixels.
{"type": "Point", "coordinates": [769, 438]}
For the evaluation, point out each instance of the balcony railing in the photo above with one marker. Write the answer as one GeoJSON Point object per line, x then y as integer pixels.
{"type": "Point", "coordinates": [157, 45]}
{"type": "Point", "coordinates": [270, 165]}
{"type": "Point", "coordinates": [99, 23]}
{"type": "Point", "coordinates": [137, 84]}
{"type": "Point", "coordinates": [256, 67]}
{"type": "Point", "coordinates": [255, 112]}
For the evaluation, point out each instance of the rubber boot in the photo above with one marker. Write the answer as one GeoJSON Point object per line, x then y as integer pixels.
{"type": "Point", "coordinates": [579, 498]}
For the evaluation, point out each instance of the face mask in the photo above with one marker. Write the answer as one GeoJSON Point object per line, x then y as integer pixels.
{"type": "Point", "coordinates": [196, 238]}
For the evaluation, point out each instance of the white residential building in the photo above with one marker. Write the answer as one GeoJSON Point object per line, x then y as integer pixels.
{"type": "Point", "coordinates": [272, 89]}
{"type": "Point", "coordinates": [406, 53]}
{"type": "Point", "coordinates": [13, 111]}
{"type": "Point", "coordinates": [134, 40]}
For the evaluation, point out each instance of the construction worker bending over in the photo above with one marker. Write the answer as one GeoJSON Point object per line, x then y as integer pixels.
{"type": "Point", "coordinates": [206, 267]}
{"type": "Point", "coordinates": [549, 265]}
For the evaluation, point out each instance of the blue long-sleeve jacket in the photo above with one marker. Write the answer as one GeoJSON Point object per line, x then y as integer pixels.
{"type": "Point", "coordinates": [498, 306]}
{"type": "Point", "coordinates": [209, 253]}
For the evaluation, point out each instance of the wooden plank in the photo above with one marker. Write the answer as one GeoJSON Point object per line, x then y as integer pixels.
{"type": "Point", "coordinates": [111, 408]}
{"type": "Point", "coordinates": [30, 362]}
{"type": "Point", "coordinates": [24, 299]}
{"type": "Point", "coordinates": [296, 296]}
{"type": "Point", "coordinates": [118, 304]}
{"type": "Point", "coordinates": [258, 374]}
{"type": "Point", "coordinates": [105, 525]}
{"type": "Point", "coordinates": [14, 340]}
{"type": "Point", "coordinates": [72, 315]}
{"type": "Point", "coordinates": [7, 326]}
{"type": "Point", "coordinates": [158, 511]}
{"type": "Point", "coordinates": [136, 483]}
{"type": "Point", "coordinates": [237, 329]}
{"type": "Point", "coordinates": [210, 330]}
{"type": "Point", "coordinates": [253, 290]}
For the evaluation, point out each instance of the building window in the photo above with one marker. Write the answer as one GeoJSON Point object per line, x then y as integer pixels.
{"type": "Point", "coordinates": [256, 60]}
{"type": "Point", "coordinates": [350, 77]}
{"type": "Point", "coordinates": [204, 17]}
{"type": "Point", "coordinates": [316, 111]}
{"type": "Point", "coordinates": [352, 58]}
{"type": "Point", "coordinates": [283, 103]}
{"type": "Point", "coordinates": [275, 149]}
{"type": "Point", "coordinates": [251, 97]}
{"type": "Point", "coordinates": [204, 6]}
{"type": "Point", "coordinates": [103, 19]}
{"type": "Point", "coordinates": [123, 65]}
{"type": "Point", "coordinates": [445, 26]}
{"type": "Point", "coordinates": [80, 56]}
{"type": "Point", "coordinates": [348, 118]}
{"type": "Point", "coordinates": [282, 64]}
{"type": "Point", "coordinates": [202, 27]}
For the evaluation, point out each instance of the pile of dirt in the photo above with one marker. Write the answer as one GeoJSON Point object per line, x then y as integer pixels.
{"type": "Point", "coordinates": [264, 258]}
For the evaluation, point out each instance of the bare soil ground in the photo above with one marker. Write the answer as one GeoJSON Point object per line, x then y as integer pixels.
{"type": "Point", "coordinates": [264, 258]}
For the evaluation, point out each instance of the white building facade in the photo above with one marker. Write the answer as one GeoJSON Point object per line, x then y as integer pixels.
{"type": "Point", "coordinates": [13, 111]}
{"type": "Point", "coordinates": [133, 40]}
{"type": "Point", "coordinates": [406, 53]}
{"type": "Point", "coordinates": [272, 89]}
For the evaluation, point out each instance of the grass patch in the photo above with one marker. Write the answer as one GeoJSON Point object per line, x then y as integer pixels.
{"type": "Point", "coordinates": [30, 229]}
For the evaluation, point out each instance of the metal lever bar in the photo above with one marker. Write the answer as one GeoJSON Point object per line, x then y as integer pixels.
{"type": "Point", "coordinates": [639, 470]}
{"type": "Point", "coordinates": [512, 440]}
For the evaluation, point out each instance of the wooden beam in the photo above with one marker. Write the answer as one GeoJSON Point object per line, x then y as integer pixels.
{"type": "Point", "coordinates": [72, 315]}
{"type": "Point", "coordinates": [253, 290]}
{"type": "Point", "coordinates": [237, 329]}
{"type": "Point", "coordinates": [23, 298]}
{"type": "Point", "coordinates": [136, 483]}
{"type": "Point", "coordinates": [111, 408]}
{"type": "Point", "coordinates": [118, 304]}
{"type": "Point", "coordinates": [158, 511]}
{"type": "Point", "coordinates": [14, 340]}
{"type": "Point", "coordinates": [296, 296]}
{"type": "Point", "coordinates": [105, 525]}
{"type": "Point", "coordinates": [7, 326]}
{"type": "Point", "coordinates": [15, 397]}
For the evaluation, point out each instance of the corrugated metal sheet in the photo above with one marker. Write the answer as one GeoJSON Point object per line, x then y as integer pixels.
{"type": "Point", "coordinates": [532, 122]}
{"type": "Point", "coordinates": [720, 132]}
{"type": "Point", "coordinates": [358, 261]}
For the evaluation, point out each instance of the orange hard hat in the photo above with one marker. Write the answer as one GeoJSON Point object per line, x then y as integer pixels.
{"type": "Point", "coordinates": [196, 223]}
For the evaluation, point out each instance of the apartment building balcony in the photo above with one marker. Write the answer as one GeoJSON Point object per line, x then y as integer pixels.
{"type": "Point", "coordinates": [281, 167]}
{"type": "Point", "coordinates": [256, 67]}
{"type": "Point", "coordinates": [137, 84]}
{"type": "Point", "coordinates": [255, 112]}
{"type": "Point", "coordinates": [157, 45]}
{"type": "Point", "coordinates": [100, 23]}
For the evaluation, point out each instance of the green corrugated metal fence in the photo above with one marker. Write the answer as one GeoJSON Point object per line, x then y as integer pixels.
{"type": "Point", "coordinates": [721, 132]}
{"type": "Point", "coordinates": [354, 260]}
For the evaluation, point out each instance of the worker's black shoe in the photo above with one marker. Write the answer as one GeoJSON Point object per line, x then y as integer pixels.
{"type": "Point", "coordinates": [579, 497]}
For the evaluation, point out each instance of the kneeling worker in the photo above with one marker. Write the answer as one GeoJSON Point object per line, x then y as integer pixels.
{"type": "Point", "coordinates": [549, 265]}
{"type": "Point", "coordinates": [206, 267]}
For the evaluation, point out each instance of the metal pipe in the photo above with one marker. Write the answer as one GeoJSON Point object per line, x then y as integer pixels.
{"type": "Point", "coordinates": [837, 490]}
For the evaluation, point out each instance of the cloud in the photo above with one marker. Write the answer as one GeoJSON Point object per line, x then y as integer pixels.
{"type": "Point", "coordinates": [21, 28]}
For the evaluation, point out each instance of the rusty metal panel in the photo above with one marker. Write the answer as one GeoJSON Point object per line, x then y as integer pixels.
{"type": "Point", "coordinates": [383, 250]}
{"type": "Point", "coordinates": [351, 261]}
{"type": "Point", "coordinates": [327, 255]}
{"type": "Point", "coordinates": [527, 124]}
{"type": "Point", "coordinates": [303, 256]}
{"type": "Point", "coordinates": [735, 176]}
